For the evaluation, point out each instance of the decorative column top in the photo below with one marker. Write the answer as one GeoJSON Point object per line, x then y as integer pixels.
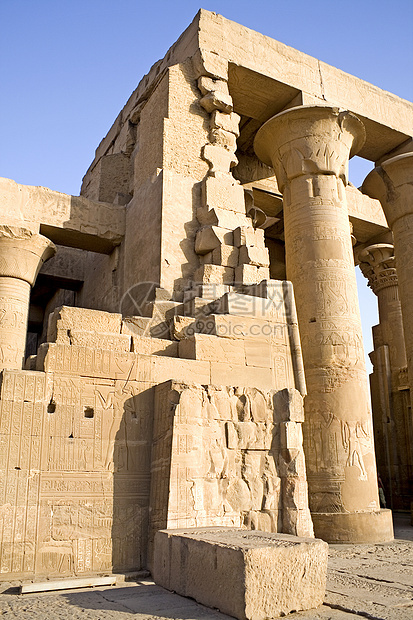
{"type": "Point", "coordinates": [23, 252]}
{"type": "Point", "coordinates": [309, 140]}
{"type": "Point", "coordinates": [392, 184]}
{"type": "Point", "coordinates": [378, 265]}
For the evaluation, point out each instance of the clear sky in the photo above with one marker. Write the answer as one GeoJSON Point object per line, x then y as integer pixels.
{"type": "Point", "coordinates": [67, 68]}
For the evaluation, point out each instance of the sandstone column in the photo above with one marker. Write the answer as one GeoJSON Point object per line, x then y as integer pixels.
{"type": "Point", "coordinates": [392, 184]}
{"type": "Point", "coordinates": [378, 265]}
{"type": "Point", "coordinates": [22, 253]}
{"type": "Point", "coordinates": [309, 149]}
{"type": "Point", "coordinates": [392, 423]}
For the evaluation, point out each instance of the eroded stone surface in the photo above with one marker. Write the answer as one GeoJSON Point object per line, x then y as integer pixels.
{"type": "Point", "coordinates": [249, 575]}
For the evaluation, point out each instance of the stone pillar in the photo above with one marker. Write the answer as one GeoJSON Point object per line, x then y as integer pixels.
{"type": "Point", "coordinates": [392, 421]}
{"type": "Point", "coordinates": [392, 184]}
{"type": "Point", "coordinates": [22, 253]}
{"type": "Point", "coordinates": [378, 265]}
{"type": "Point", "coordinates": [309, 148]}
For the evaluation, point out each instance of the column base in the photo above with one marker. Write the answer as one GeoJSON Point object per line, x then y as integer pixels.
{"type": "Point", "coordinates": [354, 527]}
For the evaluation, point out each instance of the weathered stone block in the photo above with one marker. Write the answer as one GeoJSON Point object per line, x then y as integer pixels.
{"type": "Point", "coordinates": [217, 101]}
{"type": "Point", "coordinates": [223, 193]}
{"type": "Point", "coordinates": [154, 346]}
{"type": "Point", "coordinates": [224, 218]}
{"type": "Point", "coordinates": [225, 255]}
{"type": "Point", "coordinates": [249, 305]}
{"type": "Point", "coordinates": [208, 84]}
{"type": "Point", "coordinates": [67, 317]}
{"type": "Point", "coordinates": [211, 237]}
{"type": "Point", "coordinates": [219, 159]}
{"type": "Point", "coordinates": [253, 255]}
{"type": "Point", "coordinates": [214, 274]}
{"type": "Point", "coordinates": [98, 340]}
{"type": "Point", "coordinates": [227, 122]}
{"type": "Point", "coordinates": [247, 574]}
{"type": "Point", "coordinates": [136, 325]}
{"type": "Point", "coordinates": [247, 235]}
{"type": "Point", "coordinates": [289, 404]}
{"type": "Point", "coordinates": [223, 138]}
{"type": "Point", "coordinates": [212, 348]}
{"type": "Point", "coordinates": [223, 373]}
{"type": "Point", "coordinates": [250, 274]}
{"type": "Point", "coordinates": [182, 327]}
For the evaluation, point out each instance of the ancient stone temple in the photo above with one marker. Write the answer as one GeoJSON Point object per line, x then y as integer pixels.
{"type": "Point", "coordinates": [180, 345]}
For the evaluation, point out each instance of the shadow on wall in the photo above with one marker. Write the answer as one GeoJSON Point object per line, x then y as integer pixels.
{"type": "Point", "coordinates": [130, 443]}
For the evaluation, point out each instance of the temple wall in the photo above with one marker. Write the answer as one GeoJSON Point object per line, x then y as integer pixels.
{"type": "Point", "coordinates": [88, 471]}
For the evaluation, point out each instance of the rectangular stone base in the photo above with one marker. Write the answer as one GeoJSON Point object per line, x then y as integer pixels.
{"type": "Point", "coordinates": [250, 575]}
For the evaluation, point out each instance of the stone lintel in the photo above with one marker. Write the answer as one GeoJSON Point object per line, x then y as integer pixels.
{"type": "Point", "coordinates": [73, 221]}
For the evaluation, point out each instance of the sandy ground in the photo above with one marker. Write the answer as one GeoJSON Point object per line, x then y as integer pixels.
{"type": "Point", "coordinates": [367, 581]}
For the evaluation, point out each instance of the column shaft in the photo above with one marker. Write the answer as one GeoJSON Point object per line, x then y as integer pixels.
{"type": "Point", "coordinates": [309, 149]}
{"type": "Point", "coordinates": [22, 253]}
{"type": "Point", "coordinates": [14, 308]}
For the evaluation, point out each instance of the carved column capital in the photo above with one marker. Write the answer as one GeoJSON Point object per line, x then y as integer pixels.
{"type": "Point", "coordinates": [22, 253]}
{"type": "Point", "coordinates": [378, 265]}
{"type": "Point", "coordinates": [392, 184]}
{"type": "Point", "coordinates": [309, 140]}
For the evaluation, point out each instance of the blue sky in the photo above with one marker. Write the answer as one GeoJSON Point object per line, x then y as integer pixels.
{"type": "Point", "coordinates": [68, 66]}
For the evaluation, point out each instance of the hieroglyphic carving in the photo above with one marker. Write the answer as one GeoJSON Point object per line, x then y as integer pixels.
{"type": "Point", "coordinates": [218, 458]}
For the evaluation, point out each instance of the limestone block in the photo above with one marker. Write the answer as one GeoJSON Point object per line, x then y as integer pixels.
{"type": "Point", "coordinates": [217, 101]}
{"type": "Point", "coordinates": [222, 218]}
{"type": "Point", "coordinates": [280, 292]}
{"type": "Point", "coordinates": [289, 404]}
{"type": "Point", "coordinates": [223, 138]}
{"type": "Point", "coordinates": [291, 436]}
{"type": "Point", "coordinates": [98, 340]}
{"type": "Point", "coordinates": [223, 373]}
{"type": "Point", "coordinates": [223, 193]}
{"type": "Point", "coordinates": [163, 368]}
{"type": "Point", "coordinates": [196, 306]}
{"type": "Point", "coordinates": [154, 346]}
{"type": "Point", "coordinates": [136, 325]}
{"type": "Point", "coordinates": [291, 464]}
{"type": "Point", "coordinates": [219, 159]}
{"type": "Point", "coordinates": [253, 255]}
{"type": "Point", "coordinates": [227, 122]}
{"type": "Point", "coordinates": [66, 317]}
{"type": "Point", "coordinates": [247, 235]}
{"type": "Point", "coordinates": [214, 274]}
{"type": "Point", "coordinates": [208, 84]}
{"type": "Point", "coordinates": [249, 575]}
{"type": "Point", "coordinates": [249, 305]}
{"type": "Point", "coordinates": [211, 237]}
{"type": "Point", "coordinates": [258, 353]}
{"type": "Point", "coordinates": [297, 522]}
{"type": "Point", "coordinates": [265, 520]}
{"type": "Point", "coordinates": [155, 326]}
{"type": "Point", "coordinates": [212, 348]}
{"type": "Point", "coordinates": [244, 327]}
{"type": "Point", "coordinates": [182, 327]}
{"type": "Point", "coordinates": [295, 493]}
{"type": "Point", "coordinates": [225, 255]}
{"type": "Point", "coordinates": [250, 274]}
{"type": "Point", "coordinates": [248, 436]}
{"type": "Point", "coordinates": [114, 174]}
{"type": "Point", "coordinates": [208, 292]}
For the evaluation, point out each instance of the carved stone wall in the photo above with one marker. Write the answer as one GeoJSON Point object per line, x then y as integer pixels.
{"type": "Point", "coordinates": [78, 485]}
{"type": "Point", "coordinates": [228, 456]}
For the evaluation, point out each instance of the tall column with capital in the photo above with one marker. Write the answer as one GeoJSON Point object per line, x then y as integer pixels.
{"type": "Point", "coordinates": [393, 430]}
{"type": "Point", "coordinates": [22, 253]}
{"type": "Point", "coordinates": [392, 184]}
{"type": "Point", "coordinates": [309, 148]}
